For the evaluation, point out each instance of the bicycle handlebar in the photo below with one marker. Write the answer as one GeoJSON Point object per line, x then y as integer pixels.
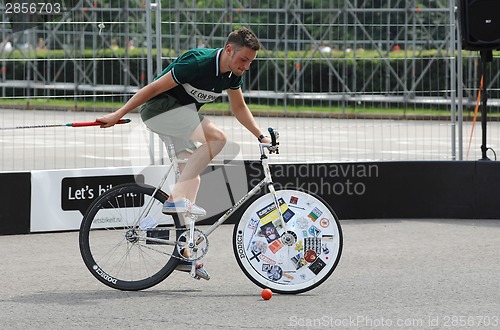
{"type": "Point", "coordinates": [273, 147]}
{"type": "Point", "coordinates": [274, 136]}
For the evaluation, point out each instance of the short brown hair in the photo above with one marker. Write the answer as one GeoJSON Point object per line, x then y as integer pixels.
{"type": "Point", "coordinates": [243, 37]}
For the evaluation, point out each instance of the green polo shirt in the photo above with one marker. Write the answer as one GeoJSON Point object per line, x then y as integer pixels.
{"type": "Point", "coordinates": [198, 74]}
{"type": "Point", "coordinates": [174, 113]}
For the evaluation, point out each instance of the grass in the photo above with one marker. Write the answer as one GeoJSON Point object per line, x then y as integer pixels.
{"type": "Point", "coordinates": [220, 108]}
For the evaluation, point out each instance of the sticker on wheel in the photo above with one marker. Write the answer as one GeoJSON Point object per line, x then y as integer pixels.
{"type": "Point", "coordinates": [274, 272]}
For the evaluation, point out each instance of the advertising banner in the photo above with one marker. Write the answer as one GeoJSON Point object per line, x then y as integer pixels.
{"type": "Point", "coordinates": [61, 197]}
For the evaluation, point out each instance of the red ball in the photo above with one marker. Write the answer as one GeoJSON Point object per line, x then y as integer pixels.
{"type": "Point", "coordinates": [266, 294]}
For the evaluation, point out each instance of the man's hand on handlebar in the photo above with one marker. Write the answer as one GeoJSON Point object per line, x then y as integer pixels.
{"type": "Point", "coordinates": [273, 140]}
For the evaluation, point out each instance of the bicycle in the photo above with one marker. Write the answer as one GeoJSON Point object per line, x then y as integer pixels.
{"type": "Point", "coordinates": [288, 240]}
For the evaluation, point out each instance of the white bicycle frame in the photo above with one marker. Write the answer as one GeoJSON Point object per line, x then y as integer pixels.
{"type": "Point", "coordinates": [267, 180]}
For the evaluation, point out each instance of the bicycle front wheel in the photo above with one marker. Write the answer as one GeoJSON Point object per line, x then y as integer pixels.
{"type": "Point", "coordinates": [294, 258]}
{"type": "Point", "coordinates": [126, 241]}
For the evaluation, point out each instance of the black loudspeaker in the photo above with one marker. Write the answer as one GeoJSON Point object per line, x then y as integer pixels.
{"type": "Point", "coordinates": [480, 24]}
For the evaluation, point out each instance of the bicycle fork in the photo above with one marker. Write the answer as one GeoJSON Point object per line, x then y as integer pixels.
{"type": "Point", "coordinates": [270, 186]}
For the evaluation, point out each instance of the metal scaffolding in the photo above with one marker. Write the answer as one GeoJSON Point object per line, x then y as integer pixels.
{"type": "Point", "coordinates": [291, 31]}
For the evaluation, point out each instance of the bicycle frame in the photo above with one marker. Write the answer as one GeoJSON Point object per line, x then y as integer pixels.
{"type": "Point", "coordinates": [239, 203]}
{"type": "Point", "coordinates": [296, 255]}
{"type": "Point", "coordinates": [267, 180]}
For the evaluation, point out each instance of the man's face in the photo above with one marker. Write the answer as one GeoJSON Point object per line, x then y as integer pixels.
{"type": "Point", "coordinates": [240, 59]}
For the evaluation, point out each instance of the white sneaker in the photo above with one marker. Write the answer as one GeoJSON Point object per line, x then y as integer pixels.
{"type": "Point", "coordinates": [183, 206]}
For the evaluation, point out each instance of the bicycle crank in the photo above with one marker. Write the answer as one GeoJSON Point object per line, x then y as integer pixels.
{"type": "Point", "coordinates": [192, 251]}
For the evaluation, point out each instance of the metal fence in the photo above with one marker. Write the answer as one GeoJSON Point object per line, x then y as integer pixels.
{"type": "Point", "coordinates": [355, 80]}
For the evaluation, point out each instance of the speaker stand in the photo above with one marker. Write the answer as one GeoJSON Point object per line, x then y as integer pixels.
{"type": "Point", "coordinates": [486, 58]}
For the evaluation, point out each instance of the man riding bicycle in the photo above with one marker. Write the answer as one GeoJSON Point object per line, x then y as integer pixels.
{"type": "Point", "coordinates": [170, 105]}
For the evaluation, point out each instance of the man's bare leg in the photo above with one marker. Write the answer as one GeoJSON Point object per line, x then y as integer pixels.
{"type": "Point", "coordinates": [213, 141]}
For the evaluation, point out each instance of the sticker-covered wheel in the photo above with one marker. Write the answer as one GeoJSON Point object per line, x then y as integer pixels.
{"type": "Point", "coordinates": [291, 259]}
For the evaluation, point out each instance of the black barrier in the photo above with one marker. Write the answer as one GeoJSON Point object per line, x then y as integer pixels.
{"type": "Point", "coordinates": [15, 203]}
{"type": "Point", "coordinates": [375, 190]}
{"type": "Point", "coordinates": [487, 190]}
{"type": "Point", "coordinates": [410, 190]}
{"type": "Point", "coordinates": [397, 190]}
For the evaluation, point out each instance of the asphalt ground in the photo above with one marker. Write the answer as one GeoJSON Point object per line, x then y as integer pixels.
{"type": "Point", "coordinates": [393, 274]}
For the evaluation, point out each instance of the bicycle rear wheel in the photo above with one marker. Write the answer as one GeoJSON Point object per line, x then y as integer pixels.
{"type": "Point", "coordinates": [126, 241]}
{"type": "Point", "coordinates": [293, 259]}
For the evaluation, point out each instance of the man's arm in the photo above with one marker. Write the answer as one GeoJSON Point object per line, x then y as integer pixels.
{"type": "Point", "coordinates": [144, 94]}
{"type": "Point", "coordinates": [240, 110]}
